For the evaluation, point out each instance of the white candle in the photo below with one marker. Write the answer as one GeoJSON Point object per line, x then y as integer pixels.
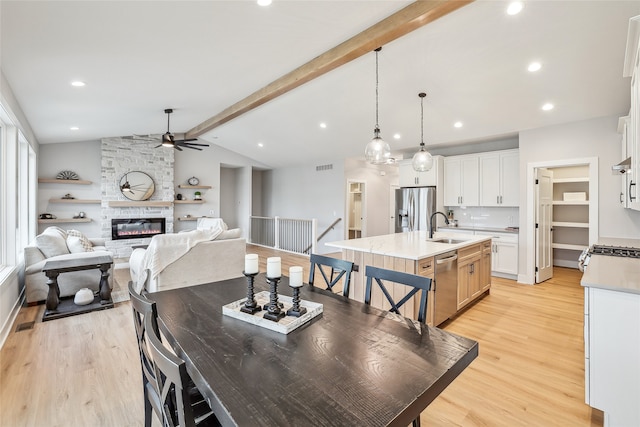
{"type": "Point", "coordinates": [273, 267]}
{"type": "Point", "coordinates": [295, 276]}
{"type": "Point", "coordinates": [251, 263]}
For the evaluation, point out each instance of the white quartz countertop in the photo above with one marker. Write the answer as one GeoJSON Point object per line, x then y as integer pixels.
{"type": "Point", "coordinates": [414, 245]}
{"type": "Point", "coordinates": [613, 273]}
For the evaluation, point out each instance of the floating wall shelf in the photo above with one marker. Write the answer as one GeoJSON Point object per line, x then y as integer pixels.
{"type": "Point", "coordinates": [63, 181]}
{"type": "Point", "coordinates": [74, 201]}
{"type": "Point", "coordinates": [62, 220]}
{"type": "Point", "coordinates": [194, 187]}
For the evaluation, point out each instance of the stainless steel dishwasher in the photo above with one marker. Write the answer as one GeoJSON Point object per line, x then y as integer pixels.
{"type": "Point", "coordinates": [445, 287]}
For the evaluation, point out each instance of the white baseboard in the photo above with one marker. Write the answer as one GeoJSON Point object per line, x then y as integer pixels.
{"type": "Point", "coordinates": [10, 319]}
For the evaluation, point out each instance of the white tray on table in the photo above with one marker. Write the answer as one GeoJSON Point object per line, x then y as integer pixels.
{"type": "Point", "coordinates": [285, 325]}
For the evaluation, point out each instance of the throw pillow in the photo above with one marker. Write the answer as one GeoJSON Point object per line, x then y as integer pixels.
{"type": "Point", "coordinates": [52, 242]}
{"type": "Point", "coordinates": [78, 242]}
{"type": "Point", "coordinates": [234, 233]}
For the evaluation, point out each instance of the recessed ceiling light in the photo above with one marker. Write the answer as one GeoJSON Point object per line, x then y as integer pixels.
{"type": "Point", "coordinates": [264, 2]}
{"type": "Point", "coordinates": [534, 66]}
{"type": "Point", "coordinates": [457, 125]}
{"type": "Point", "coordinates": [397, 136]}
{"type": "Point", "coordinates": [548, 106]}
{"type": "Point", "coordinates": [78, 83]}
{"type": "Point", "coordinates": [514, 7]}
{"type": "Point", "coordinates": [74, 128]}
{"type": "Point", "coordinates": [260, 144]}
{"type": "Point", "coordinates": [323, 125]}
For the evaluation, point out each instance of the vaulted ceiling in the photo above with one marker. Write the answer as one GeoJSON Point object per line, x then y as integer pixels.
{"type": "Point", "coordinates": [199, 58]}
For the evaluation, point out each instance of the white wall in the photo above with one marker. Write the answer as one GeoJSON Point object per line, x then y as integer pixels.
{"type": "Point", "coordinates": [304, 193]}
{"type": "Point", "coordinates": [82, 158]}
{"type": "Point", "coordinates": [590, 138]}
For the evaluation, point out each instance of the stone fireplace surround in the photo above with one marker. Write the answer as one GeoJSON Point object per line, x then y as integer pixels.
{"type": "Point", "coordinates": [120, 156]}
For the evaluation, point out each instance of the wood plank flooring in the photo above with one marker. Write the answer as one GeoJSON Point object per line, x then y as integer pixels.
{"type": "Point", "coordinates": [84, 370]}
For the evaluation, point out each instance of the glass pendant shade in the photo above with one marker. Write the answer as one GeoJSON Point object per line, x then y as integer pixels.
{"type": "Point", "coordinates": [377, 151]}
{"type": "Point", "coordinates": [422, 161]}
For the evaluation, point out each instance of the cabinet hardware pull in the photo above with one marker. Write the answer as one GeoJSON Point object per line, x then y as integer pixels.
{"type": "Point", "coordinates": [631, 198]}
{"type": "Point", "coordinates": [498, 200]}
{"type": "Point", "coordinates": [621, 197]}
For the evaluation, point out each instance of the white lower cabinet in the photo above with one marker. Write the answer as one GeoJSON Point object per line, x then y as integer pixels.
{"type": "Point", "coordinates": [504, 256]}
{"type": "Point", "coordinates": [504, 251]}
{"type": "Point", "coordinates": [612, 355]}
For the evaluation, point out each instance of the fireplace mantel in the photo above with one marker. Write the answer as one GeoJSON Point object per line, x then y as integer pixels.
{"type": "Point", "coordinates": [135, 204]}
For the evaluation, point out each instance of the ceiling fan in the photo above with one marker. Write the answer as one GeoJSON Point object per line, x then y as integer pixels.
{"type": "Point", "coordinates": [167, 139]}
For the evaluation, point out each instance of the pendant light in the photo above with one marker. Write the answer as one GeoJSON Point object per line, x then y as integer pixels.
{"type": "Point", "coordinates": [377, 151]}
{"type": "Point", "coordinates": [422, 160]}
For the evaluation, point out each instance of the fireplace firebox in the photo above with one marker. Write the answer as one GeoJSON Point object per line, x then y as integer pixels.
{"type": "Point", "coordinates": [137, 228]}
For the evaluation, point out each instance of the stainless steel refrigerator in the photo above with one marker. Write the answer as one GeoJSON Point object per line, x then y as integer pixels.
{"type": "Point", "coordinates": [414, 206]}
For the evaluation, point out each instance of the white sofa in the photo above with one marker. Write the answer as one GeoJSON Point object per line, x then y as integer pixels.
{"type": "Point", "coordinates": [207, 261]}
{"type": "Point", "coordinates": [54, 243]}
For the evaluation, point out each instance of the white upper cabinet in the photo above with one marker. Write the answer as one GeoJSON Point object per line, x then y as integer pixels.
{"type": "Point", "coordinates": [410, 178]}
{"type": "Point", "coordinates": [461, 181]}
{"type": "Point", "coordinates": [499, 178]}
{"type": "Point", "coordinates": [632, 69]}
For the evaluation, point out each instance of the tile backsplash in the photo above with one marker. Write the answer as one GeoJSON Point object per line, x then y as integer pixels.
{"type": "Point", "coordinates": [485, 217]}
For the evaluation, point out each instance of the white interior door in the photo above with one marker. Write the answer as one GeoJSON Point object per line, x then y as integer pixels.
{"type": "Point", "coordinates": [543, 219]}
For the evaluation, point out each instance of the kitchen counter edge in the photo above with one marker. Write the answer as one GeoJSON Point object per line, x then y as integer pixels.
{"type": "Point", "coordinates": [413, 245]}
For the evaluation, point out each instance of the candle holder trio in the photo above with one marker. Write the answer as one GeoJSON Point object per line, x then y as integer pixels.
{"type": "Point", "coordinates": [274, 309]}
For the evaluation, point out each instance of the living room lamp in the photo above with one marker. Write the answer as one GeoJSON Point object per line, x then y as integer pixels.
{"type": "Point", "coordinates": [377, 151]}
{"type": "Point", "coordinates": [422, 160]}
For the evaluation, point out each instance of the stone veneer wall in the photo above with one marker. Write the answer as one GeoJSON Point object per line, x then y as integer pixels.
{"type": "Point", "coordinates": [120, 156]}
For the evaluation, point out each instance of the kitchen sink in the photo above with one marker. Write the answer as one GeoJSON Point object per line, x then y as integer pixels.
{"type": "Point", "coordinates": [448, 241]}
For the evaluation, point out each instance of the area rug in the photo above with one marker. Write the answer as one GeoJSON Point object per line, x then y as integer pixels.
{"type": "Point", "coordinates": [121, 278]}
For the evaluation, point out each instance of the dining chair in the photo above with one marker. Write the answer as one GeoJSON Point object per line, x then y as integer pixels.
{"type": "Point", "coordinates": [340, 266]}
{"type": "Point", "coordinates": [143, 309]}
{"type": "Point", "coordinates": [172, 401]}
{"type": "Point", "coordinates": [418, 283]}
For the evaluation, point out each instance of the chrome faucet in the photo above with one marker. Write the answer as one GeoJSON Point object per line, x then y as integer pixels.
{"type": "Point", "coordinates": [431, 226]}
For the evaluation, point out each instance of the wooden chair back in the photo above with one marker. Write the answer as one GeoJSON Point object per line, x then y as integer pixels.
{"type": "Point", "coordinates": [417, 283]}
{"type": "Point", "coordinates": [342, 267]}
{"type": "Point", "coordinates": [145, 316]}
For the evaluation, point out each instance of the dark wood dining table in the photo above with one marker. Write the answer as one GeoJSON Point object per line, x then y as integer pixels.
{"type": "Point", "coordinates": [353, 365]}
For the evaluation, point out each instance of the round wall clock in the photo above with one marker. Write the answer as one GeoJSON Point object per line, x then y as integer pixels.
{"type": "Point", "coordinates": [193, 181]}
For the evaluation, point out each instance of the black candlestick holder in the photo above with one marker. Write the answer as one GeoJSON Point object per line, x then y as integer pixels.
{"type": "Point", "coordinates": [274, 312]}
{"type": "Point", "coordinates": [296, 310]}
{"type": "Point", "coordinates": [250, 305]}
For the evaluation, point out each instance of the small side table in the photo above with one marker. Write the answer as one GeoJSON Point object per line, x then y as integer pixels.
{"type": "Point", "coordinates": [57, 307]}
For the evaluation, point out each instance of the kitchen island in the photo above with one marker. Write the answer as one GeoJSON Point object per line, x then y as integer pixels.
{"type": "Point", "coordinates": [413, 252]}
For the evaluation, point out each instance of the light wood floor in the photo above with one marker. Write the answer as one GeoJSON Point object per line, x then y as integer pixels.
{"type": "Point", "coordinates": [84, 370]}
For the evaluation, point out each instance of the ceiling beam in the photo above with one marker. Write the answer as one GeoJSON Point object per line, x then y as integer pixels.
{"type": "Point", "coordinates": [404, 21]}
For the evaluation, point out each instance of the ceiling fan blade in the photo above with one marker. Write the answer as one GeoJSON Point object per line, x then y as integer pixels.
{"type": "Point", "coordinates": [177, 148]}
{"type": "Point", "coordinates": [191, 144]}
{"type": "Point", "coordinates": [188, 146]}
{"type": "Point", "coordinates": [158, 146]}
{"type": "Point", "coordinates": [186, 140]}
